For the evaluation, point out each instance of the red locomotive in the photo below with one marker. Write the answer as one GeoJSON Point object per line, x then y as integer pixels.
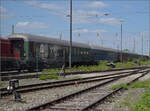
{"type": "Point", "coordinates": [7, 56]}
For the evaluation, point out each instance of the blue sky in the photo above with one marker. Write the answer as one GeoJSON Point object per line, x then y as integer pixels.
{"type": "Point", "coordinates": [49, 18]}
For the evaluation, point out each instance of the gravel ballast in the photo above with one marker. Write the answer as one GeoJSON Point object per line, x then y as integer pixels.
{"type": "Point", "coordinates": [114, 103]}
{"type": "Point", "coordinates": [39, 97]}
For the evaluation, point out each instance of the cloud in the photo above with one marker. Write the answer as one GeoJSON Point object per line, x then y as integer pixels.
{"type": "Point", "coordinates": [110, 21]}
{"type": "Point", "coordinates": [2, 9]}
{"type": "Point", "coordinates": [89, 31]}
{"type": "Point", "coordinates": [31, 2]}
{"type": "Point", "coordinates": [127, 6]}
{"type": "Point", "coordinates": [32, 25]}
{"type": "Point", "coordinates": [4, 13]}
{"type": "Point", "coordinates": [22, 24]}
{"type": "Point", "coordinates": [97, 4]}
{"type": "Point", "coordinates": [34, 3]}
{"type": "Point", "coordinates": [53, 8]}
{"type": "Point", "coordinates": [81, 16]}
{"type": "Point", "coordinates": [50, 6]}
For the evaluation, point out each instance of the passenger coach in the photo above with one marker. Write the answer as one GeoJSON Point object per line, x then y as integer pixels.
{"type": "Point", "coordinates": [45, 52]}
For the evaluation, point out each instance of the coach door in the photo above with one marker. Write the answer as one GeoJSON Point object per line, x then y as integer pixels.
{"type": "Point", "coordinates": [18, 45]}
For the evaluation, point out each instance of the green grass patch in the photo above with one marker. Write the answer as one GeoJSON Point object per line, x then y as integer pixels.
{"type": "Point", "coordinates": [102, 65]}
{"type": "Point", "coordinates": [128, 64]}
{"type": "Point", "coordinates": [141, 84]}
{"type": "Point", "coordinates": [144, 103]}
{"type": "Point", "coordinates": [147, 62]}
{"type": "Point", "coordinates": [139, 98]}
{"type": "Point", "coordinates": [51, 71]}
{"type": "Point", "coordinates": [49, 76]}
{"type": "Point", "coordinates": [119, 86]}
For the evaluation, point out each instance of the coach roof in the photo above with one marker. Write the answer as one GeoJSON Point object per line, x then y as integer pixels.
{"type": "Point", "coordinates": [43, 39]}
{"type": "Point", "coordinates": [104, 48]}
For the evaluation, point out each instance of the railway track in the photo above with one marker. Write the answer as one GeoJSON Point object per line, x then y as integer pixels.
{"type": "Point", "coordinates": [102, 99]}
{"type": "Point", "coordinates": [72, 101]}
{"type": "Point", "coordinates": [35, 87]}
{"type": "Point", "coordinates": [5, 76]}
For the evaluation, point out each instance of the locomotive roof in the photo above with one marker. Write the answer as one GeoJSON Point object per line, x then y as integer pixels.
{"type": "Point", "coordinates": [4, 39]}
{"type": "Point", "coordinates": [43, 39]}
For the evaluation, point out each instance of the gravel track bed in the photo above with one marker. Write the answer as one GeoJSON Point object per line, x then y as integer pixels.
{"type": "Point", "coordinates": [36, 80]}
{"type": "Point", "coordinates": [39, 97]}
{"type": "Point", "coordinates": [87, 98]}
{"type": "Point", "coordinates": [110, 106]}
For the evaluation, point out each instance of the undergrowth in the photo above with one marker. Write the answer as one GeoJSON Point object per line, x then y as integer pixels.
{"type": "Point", "coordinates": [50, 76]}
{"type": "Point", "coordinates": [140, 104]}
{"type": "Point", "coordinates": [102, 65]}
{"type": "Point", "coordinates": [124, 86]}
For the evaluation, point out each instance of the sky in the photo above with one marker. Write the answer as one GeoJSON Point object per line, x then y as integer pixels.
{"type": "Point", "coordinates": [95, 22]}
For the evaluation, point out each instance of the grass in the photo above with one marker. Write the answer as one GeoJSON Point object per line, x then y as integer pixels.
{"type": "Point", "coordinates": [50, 76]}
{"type": "Point", "coordinates": [51, 71]}
{"type": "Point", "coordinates": [141, 84]}
{"type": "Point", "coordinates": [124, 86]}
{"type": "Point", "coordinates": [143, 63]}
{"type": "Point", "coordinates": [144, 103]}
{"type": "Point", "coordinates": [102, 65]}
{"type": "Point", "coordinates": [137, 100]}
{"type": "Point", "coordinates": [126, 64]}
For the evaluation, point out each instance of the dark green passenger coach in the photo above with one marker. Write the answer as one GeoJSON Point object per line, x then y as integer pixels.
{"type": "Point", "coordinates": [37, 51]}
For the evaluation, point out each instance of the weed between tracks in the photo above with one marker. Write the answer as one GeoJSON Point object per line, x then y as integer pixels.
{"type": "Point", "coordinates": [50, 76]}
{"type": "Point", "coordinates": [102, 65]}
{"type": "Point", "coordinates": [138, 97]}
{"type": "Point", "coordinates": [124, 86]}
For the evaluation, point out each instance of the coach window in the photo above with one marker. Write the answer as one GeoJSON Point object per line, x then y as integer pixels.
{"type": "Point", "coordinates": [78, 51]}
{"type": "Point", "coordinates": [75, 51]}
{"type": "Point", "coordinates": [72, 51]}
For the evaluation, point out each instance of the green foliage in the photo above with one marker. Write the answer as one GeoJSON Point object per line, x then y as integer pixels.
{"type": "Point", "coordinates": [144, 103]}
{"type": "Point", "coordinates": [140, 107]}
{"type": "Point", "coordinates": [49, 76]}
{"type": "Point", "coordinates": [147, 62]}
{"type": "Point", "coordinates": [119, 86]}
{"type": "Point", "coordinates": [141, 84]}
{"type": "Point", "coordinates": [51, 71]}
{"type": "Point", "coordinates": [102, 65]}
{"type": "Point", "coordinates": [127, 64]}
{"type": "Point", "coordinates": [126, 50]}
{"type": "Point", "coordinates": [134, 102]}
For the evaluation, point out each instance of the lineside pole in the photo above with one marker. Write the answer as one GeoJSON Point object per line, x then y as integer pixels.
{"type": "Point", "coordinates": [70, 52]}
{"type": "Point", "coordinates": [121, 44]}
{"type": "Point", "coordinates": [142, 46]}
